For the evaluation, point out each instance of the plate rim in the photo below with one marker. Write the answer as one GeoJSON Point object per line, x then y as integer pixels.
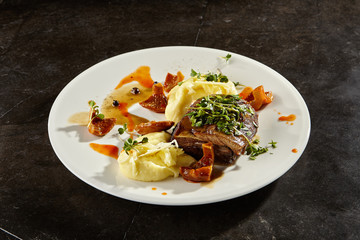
{"type": "Point", "coordinates": [128, 196]}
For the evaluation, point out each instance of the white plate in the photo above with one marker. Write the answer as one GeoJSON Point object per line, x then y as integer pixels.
{"type": "Point", "coordinates": [71, 142]}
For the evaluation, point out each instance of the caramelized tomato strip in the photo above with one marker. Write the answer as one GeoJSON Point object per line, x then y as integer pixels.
{"type": "Point", "coordinates": [245, 93]}
{"type": "Point", "coordinates": [157, 102]}
{"type": "Point", "coordinates": [153, 126]}
{"type": "Point", "coordinates": [172, 80]}
{"type": "Point", "coordinates": [202, 170]}
{"type": "Point", "coordinates": [258, 97]}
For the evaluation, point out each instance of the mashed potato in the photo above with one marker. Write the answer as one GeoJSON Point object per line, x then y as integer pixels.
{"type": "Point", "coordinates": [180, 97]}
{"type": "Point", "coordinates": [155, 160]}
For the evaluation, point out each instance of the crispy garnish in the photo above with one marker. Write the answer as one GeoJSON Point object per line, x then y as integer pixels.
{"type": "Point", "coordinates": [98, 124]}
{"type": "Point", "coordinates": [153, 126]}
{"type": "Point", "coordinates": [257, 97]}
{"type": "Point", "coordinates": [202, 170]}
{"type": "Point", "coordinates": [157, 101]}
{"type": "Point", "coordinates": [172, 80]}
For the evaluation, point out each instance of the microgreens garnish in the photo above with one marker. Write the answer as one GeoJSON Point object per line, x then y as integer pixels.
{"type": "Point", "coordinates": [213, 77]}
{"type": "Point", "coordinates": [222, 111]}
{"type": "Point", "coordinates": [210, 77]}
{"type": "Point", "coordinates": [237, 84]}
{"type": "Point", "coordinates": [180, 83]}
{"type": "Point", "coordinates": [95, 111]}
{"type": "Point", "coordinates": [273, 144]}
{"type": "Point", "coordinates": [195, 74]}
{"type": "Point", "coordinates": [227, 57]}
{"type": "Point", "coordinates": [254, 149]}
{"type": "Point", "coordinates": [130, 144]}
{"type": "Point", "coordinates": [123, 129]}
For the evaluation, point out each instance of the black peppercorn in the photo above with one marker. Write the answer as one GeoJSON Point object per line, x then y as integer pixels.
{"type": "Point", "coordinates": [135, 90]}
{"type": "Point", "coordinates": [115, 103]}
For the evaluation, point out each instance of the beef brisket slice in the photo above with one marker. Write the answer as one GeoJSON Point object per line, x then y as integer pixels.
{"type": "Point", "coordinates": [227, 148]}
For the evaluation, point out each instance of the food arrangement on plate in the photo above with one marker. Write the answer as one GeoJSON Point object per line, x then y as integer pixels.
{"type": "Point", "coordinates": [210, 121]}
{"type": "Point", "coordinates": [165, 141]}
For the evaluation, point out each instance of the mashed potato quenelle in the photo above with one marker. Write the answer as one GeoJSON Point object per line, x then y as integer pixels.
{"type": "Point", "coordinates": [181, 97]}
{"type": "Point", "coordinates": [155, 160]}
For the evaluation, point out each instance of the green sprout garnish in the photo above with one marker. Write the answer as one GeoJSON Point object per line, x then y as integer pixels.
{"type": "Point", "coordinates": [222, 111]}
{"type": "Point", "coordinates": [237, 84]}
{"type": "Point", "coordinates": [273, 144]}
{"type": "Point", "coordinates": [95, 111]}
{"type": "Point", "coordinates": [130, 144]}
{"type": "Point", "coordinates": [254, 149]}
{"type": "Point", "coordinates": [210, 77]}
{"type": "Point", "coordinates": [213, 77]}
{"type": "Point", "coordinates": [123, 129]}
{"type": "Point", "coordinates": [195, 74]}
{"type": "Point", "coordinates": [227, 57]}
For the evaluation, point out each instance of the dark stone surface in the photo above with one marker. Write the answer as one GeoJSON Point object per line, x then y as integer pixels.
{"type": "Point", "coordinates": [314, 44]}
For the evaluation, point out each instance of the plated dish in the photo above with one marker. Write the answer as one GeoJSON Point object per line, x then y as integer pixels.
{"type": "Point", "coordinates": [71, 141]}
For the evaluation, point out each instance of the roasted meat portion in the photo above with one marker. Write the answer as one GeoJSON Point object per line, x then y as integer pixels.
{"type": "Point", "coordinates": [227, 121]}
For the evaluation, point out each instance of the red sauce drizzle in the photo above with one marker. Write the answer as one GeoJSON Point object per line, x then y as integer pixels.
{"type": "Point", "coordinates": [141, 75]}
{"type": "Point", "coordinates": [291, 117]}
{"type": "Point", "coordinates": [294, 150]}
{"type": "Point", "coordinates": [108, 150]}
{"type": "Point", "coordinates": [124, 111]}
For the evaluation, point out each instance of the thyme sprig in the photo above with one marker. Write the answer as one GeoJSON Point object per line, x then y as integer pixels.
{"type": "Point", "coordinates": [222, 111]}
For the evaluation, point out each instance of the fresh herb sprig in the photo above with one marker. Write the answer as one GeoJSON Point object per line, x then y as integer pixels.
{"type": "Point", "coordinates": [237, 84]}
{"type": "Point", "coordinates": [95, 111]}
{"type": "Point", "coordinates": [254, 149]}
{"type": "Point", "coordinates": [123, 129]}
{"type": "Point", "coordinates": [130, 144]}
{"type": "Point", "coordinates": [227, 57]}
{"type": "Point", "coordinates": [222, 111]}
{"type": "Point", "coordinates": [210, 77]}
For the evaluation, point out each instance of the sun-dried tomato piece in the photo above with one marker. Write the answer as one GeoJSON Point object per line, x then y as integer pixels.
{"type": "Point", "coordinates": [172, 80]}
{"type": "Point", "coordinates": [258, 97]}
{"type": "Point", "coordinates": [202, 170]}
{"type": "Point", "coordinates": [100, 127]}
{"type": "Point", "coordinates": [157, 101]}
{"type": "Point", "coordinates": [153, 126]}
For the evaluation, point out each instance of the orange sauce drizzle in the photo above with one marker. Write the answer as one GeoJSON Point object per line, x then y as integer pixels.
{"type": "Point", "coordinates": [294, 150]}
{"type": "Point", "coordinates": [124, 111]}
{"type": "Point", "coordinates": [154, 188]}
{"type": "Point", "coordinates": [291, 117]}
{"type": "Point", "coordinates": [164, 193]}
{"type": "Point", "coordinates": [141, 75]}
{"type": "Point", "coordinates": [108, 150]}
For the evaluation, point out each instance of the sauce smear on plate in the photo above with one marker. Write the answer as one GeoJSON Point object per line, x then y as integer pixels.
{"type": "Point", "coordinates": [291, 117]}
{"type": "Point", "coordinates": [108, 150]}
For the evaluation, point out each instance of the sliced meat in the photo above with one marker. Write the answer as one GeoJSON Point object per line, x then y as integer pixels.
{"type": "Point", "coordinates": [153, 126]}
{"type": "Point", "coordinates": [227, 147]}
